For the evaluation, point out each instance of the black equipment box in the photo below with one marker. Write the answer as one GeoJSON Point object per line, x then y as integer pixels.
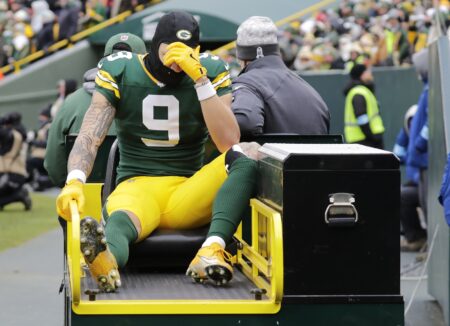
{"type": "Point", "coordinates": [340, 208]}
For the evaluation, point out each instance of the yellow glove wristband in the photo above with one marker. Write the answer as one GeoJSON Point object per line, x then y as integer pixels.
{"type": "Point", "coordinates": [72, 191]}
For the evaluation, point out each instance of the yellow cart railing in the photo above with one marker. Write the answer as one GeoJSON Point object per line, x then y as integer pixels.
{"type": "Point", "coordinates": [262, 262]}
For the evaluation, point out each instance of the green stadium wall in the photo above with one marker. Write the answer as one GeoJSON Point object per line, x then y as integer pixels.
{"type": "Point", "coordinates": [31, 90]}
{"type": "Point", "coordinates": [35, 87]}
{"type": "Point", "coordinates": [396, 90]}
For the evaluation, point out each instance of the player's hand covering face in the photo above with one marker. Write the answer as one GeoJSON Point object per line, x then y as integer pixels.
{"type": "Point", "coordinates": [186, 58]}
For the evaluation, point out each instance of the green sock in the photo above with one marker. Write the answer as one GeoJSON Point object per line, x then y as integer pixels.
{"type": "Point", "coordinates": [233, 198]}
{"type": "Point", "coordinates": [120, 232]}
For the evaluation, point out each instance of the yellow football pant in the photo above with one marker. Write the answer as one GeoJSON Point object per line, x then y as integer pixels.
{"type": "Point", "coordinates": [170, 202]}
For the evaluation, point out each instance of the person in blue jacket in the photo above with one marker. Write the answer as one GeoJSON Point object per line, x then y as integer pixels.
{"type": "Point", "coordinates": [402, 143]}
{"type": "Point", "coordinates": [414, 236]}
{"type": "Point", "coordinates": [444, 196]}
{"type": "Point", "coordinates": [418, 145]}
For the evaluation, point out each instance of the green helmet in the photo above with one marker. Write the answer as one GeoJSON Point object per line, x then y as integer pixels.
{"type": "Point", "coordinates": [125, 42]}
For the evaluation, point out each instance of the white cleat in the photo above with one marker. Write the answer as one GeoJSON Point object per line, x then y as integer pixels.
{"type": "Point", "coordinates": [213, 263]}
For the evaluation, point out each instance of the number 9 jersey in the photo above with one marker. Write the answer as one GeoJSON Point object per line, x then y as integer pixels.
{"type": "Point", "coordinates": [160, 129]}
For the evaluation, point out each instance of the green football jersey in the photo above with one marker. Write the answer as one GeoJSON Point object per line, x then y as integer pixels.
{"type": "Point", "coordinates": [161, 130]}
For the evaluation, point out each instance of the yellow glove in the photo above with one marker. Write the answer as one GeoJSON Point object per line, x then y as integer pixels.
{"type": "Point", "coordinates": [72, 190]}
{"type": "Point", "coordinates": [185, 57]}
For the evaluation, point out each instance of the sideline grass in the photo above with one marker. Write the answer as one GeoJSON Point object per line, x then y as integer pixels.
{"type": "Point", "coordinates": [18, 225]}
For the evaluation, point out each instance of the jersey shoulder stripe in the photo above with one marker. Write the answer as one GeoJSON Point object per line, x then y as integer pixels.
{"type": "Point", "coordinates": [104, 80]}
{"type": "Point", "coordinates": [108, 80]}
{"type": "Point", "coordinates": [222, 80]}
{"type": "Point", "coordinates": [218, 72]}
{"type": "Point", "coordinates": [213, 64]}
{"type": "Point", "coordinates": [105, 76]}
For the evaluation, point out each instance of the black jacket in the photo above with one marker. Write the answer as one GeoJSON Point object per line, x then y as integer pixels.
{"type": "Point", "coordinates": [270, 98]}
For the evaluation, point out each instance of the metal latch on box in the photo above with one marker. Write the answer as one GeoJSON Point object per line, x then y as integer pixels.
{"type": "Point", "coordinates": [341, 212]}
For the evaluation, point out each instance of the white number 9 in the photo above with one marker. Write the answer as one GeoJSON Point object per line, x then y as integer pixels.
{"type": "Point", "coordinates": [171, 124]}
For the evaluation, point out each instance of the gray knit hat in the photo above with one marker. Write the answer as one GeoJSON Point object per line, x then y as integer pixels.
{"type": "Point", "coordinates": [256, 38]}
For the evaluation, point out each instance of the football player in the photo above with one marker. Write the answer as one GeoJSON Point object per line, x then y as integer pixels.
{"type": "Point", "coordinates": [69, 118]}
{"type": "Point", "coordinates": [165, 104]}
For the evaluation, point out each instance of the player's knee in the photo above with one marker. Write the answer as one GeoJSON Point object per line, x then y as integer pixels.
{"type": "Point", "coordinates": [251, 149]}
{"type": "Point", "coordinates": [232, 155]}
{"type": "Point", "coordinates": [236, 159]}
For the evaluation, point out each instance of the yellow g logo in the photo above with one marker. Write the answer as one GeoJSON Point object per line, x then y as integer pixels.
{"type": "Point", "coordinates": [184, 35]}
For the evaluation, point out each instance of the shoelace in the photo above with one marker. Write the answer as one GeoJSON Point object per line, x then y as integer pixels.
{"type": "Point", "coordinates": [227, 257]}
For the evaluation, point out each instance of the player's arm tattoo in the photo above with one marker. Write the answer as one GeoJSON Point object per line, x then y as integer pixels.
{"type": "Point", "coordinates": [96, 123]}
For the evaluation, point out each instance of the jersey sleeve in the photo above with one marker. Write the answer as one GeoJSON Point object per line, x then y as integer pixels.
{"type": "Point", "coordinates": [109, 75]}
{"type": "Point", "coordinates": [218, 73]}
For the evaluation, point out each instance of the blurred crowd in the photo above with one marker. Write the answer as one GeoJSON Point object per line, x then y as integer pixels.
{"type": "Point", "coordinates": [27, 26]}
{"type": "Point", "coordinates": [22, 151]}
{"type": "Point", "coordinates": [375, 32]}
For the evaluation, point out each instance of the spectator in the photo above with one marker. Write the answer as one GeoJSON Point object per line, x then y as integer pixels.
{"type": "Point", "coordinates": [30, 25]}
{"type": "Point", "coordinates": [401, 143]}
{"type": "Point", "coordinates": [3, 48]}
{"type": "Point", "coordinates": [125, 5]}
{"type": "Point", "coordinates": [46, 35]}
{"type": "Point", "coordinates": [65, 88]}
{"type": "Point", "coordinates": [418, 145]}
{"type": "Point", "coordinates": [39, 9]}
{"type": "Point", "coordinates": [22, 17]}
{"type": "Point", "coordinates": [20, 43]}
{"type": "Point", "coordinates": [395, 43]}
{"type": "Point", "coordinates": [444, 194]}
{"type": "Point", "coordinates": [70, 116]}
{"type": "Point", "coordinates": [12, 166]}
{"type": "Point", "coordinates": [266, 94]}
{"type": "Point", "coordinates": [68, 18]}
{"type": "Point", "coordinates": [304, 60]}
{"type": "Point", "coordinates": [363, 123]}
{"type": "Point", "coordinates": [38, 144]}
{"type": "Point", "coordinates": [15, 119]}
{"type": "Point", "coordinates": [95, 11]}
{"type": "Point", "coordinates": [387, 33]}
{"type": "Point", "coordinates": [414, 235]}
{"type": "Point", "coordinates": [54, 5]}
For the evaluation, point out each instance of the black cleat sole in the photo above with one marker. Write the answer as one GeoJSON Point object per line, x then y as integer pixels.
{"type": "Point", "coordinates": [218, 274]}
{"type": "Point", "coordinates": [92, 238]}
